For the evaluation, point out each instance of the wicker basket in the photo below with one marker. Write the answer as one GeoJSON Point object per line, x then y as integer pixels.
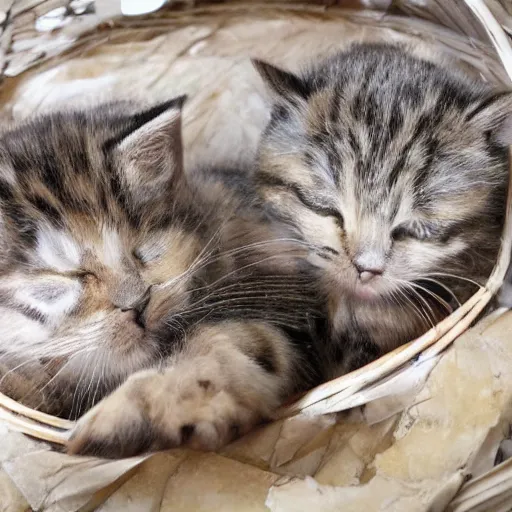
{"type": "Point", "coordinates": [408, 451]}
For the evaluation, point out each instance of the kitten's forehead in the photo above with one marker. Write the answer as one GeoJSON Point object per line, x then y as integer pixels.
{"type": "Point", "coordinates": [378, 137]}
{"type": "Point", "coordinates": [388, 152]}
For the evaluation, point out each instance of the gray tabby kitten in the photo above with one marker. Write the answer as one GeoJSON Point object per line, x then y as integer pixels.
{"type": "Point", "coordinates": [393, 169]}
{"type": "Point", "coordinates": [120, 273]}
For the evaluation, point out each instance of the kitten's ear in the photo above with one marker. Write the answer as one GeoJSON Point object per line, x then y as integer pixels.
{"type": "Point", "coordinates": [494, 115]}
{"type": "Point", "coordinates": [281, 82]}
{"type": "Point", "coordinates": [151, 156]}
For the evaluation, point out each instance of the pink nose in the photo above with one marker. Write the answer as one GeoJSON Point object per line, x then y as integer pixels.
{"type": "Point", "coordinates": [367, 273]}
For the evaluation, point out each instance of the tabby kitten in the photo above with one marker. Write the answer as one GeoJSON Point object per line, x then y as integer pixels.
{"type": "Point", "coordinates": [117, 268]}
{"type": "Point", "coordinates": [393, 169]}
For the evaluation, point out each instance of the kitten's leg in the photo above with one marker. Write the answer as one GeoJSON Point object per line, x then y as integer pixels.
{"type": "Point", "coordinates": [228, 377]}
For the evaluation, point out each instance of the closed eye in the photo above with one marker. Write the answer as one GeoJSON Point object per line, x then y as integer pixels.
{"type": "Point", "coordinates": [80, 275]}
{"type": "Point", "coordinates": [415, 229]}
{"type": "Point", "coordinates": [310, 203]}
{"type": "Point", "coordinates": [151, 250]}
{"type": "Point", "coordinates": [137, 255]}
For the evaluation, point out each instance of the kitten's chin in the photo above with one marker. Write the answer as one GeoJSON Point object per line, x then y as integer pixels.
{"type": "Point", "coordinates": [358, 292]}
{"type": "Point", "coordinates": [366, 293]}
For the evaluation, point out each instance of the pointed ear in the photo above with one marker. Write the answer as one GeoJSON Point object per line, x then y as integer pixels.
{"type": "Point", "coordinates": [281, 82]}
{"type": "Point", "coordinates": [494, 116]}
{"type": "Point", "coordinates": [151, 156]}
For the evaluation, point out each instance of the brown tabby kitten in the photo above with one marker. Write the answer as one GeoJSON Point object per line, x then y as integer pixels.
{"type": "Point", "coordinates": [393, 169]}
{"type": "Point", "coordinates": [116, 266]}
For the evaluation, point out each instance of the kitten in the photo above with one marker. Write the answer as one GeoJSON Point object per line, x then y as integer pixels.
{"type": "Point", "coordinates": [393, 169]}
{"type": "Point", "coordinates": [117, 268]}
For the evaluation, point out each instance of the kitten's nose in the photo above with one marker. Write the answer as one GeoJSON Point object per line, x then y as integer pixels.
{"type": "Point", "coordinates": [139, 308]}
{"type": "Point", "coordinates": [367, 273]}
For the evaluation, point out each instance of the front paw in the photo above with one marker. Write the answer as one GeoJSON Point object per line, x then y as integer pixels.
{"type": "Point", "coordinates": [160, 410]}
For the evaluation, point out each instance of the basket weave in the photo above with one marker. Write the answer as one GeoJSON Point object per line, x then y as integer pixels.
{"type": "Point", "coordinates": [81, 51]}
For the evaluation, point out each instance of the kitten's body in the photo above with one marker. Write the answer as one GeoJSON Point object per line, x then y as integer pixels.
{"type": "Point", "coordinates": [394, 170]}
{"type": "Point", "coordinates": [116, 264]}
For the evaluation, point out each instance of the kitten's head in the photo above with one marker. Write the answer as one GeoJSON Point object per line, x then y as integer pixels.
{"type": "Point", "coordinates": [391, 167]}
{"type": "Point", "coordinates": [96, 236]}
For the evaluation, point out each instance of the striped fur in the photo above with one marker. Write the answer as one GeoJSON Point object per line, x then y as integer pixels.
{"type": "Point", "coordinates": [393, 169]}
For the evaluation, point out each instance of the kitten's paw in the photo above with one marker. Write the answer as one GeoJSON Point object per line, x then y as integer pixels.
{"type": "Point", "coordinates": [155, 411]}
